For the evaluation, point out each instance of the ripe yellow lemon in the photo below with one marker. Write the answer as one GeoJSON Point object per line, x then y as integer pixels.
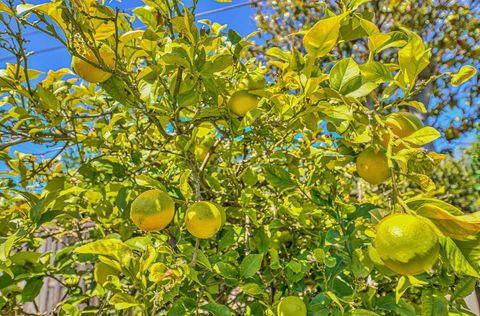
{"type": "Point", "coordinates": [203, 219]}
{"type": "Point", "coordinates": [402, 124]}
{"type": "Point", "coordinates": [102, 271]}
{"type": "Point", "coordinates": [241, 102]}
{"type": "Point", "coordinates": [91, 73]}
{"type": "Point", "coordinates": [291, 306]}
{"type": "Point", "coordinates": [152, 210]}
{"type": "Point", "coordinates": [373, 166]}
{"type": "Point", "coordinates": [407, 244]}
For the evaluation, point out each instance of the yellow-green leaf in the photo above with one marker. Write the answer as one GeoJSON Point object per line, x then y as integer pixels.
{"type": "Point", "coordinates": [413, 58]}
{"type": "Point", "coordinates": [422, 136]}
{"type": "Point", "coordinates": [463, 75]}
{"type": "Point", "coordinates": [458, 227]}
{"type": "Point", "coordinates": [322, 37]}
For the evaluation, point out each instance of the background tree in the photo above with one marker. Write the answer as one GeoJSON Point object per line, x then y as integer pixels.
{"type": "Point", "coordinates": [450, 29]}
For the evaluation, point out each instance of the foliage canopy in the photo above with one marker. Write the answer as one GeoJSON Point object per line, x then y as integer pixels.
{"type": "Point", "coordinates": [299, 221]}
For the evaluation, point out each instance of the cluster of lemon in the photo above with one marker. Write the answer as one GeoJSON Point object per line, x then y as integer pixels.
{"type": "Point", "coordinates": [153, 210]}
{"type": "Point", "coordinates": [372, 165]}
{"type": "Point", "coordinates": [406, 243]}
{"type": "Point", "coordinates": [89, 67]}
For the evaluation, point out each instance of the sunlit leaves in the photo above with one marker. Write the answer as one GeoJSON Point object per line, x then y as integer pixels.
{"type": "Point", "coordinates": [322, 37]}
{"type": "Point", "coordinates": [106, 247]}
{"type": "Point", "coordinates": [456, 259]}
{"type": "Point", "coordinates": [463, 75]}
{"type": "Point", "coordinates": [459, 227]}
{"type": "Point", "coordinates": [278, 177]}
{"type": "Point", "coordinates": [413, 58]}
{"type": "Point", "coordinates": [250, 265]}
{"type": "Point", "coordinates": [344, 75]}
{"type": "Point", "coordinates": [422, 136]}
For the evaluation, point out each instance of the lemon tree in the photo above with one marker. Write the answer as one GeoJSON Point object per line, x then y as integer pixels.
{"type": "Point", "coordinates": [183, 177]}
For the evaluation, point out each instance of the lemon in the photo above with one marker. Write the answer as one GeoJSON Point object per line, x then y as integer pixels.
{"type": "Point", "coordinates": [204, 219]}
{"type": "Point", "coordinates": [291, 306]}
{"type": "Point", "coordinates": [241, 102]}
{"type": "Point", "coordinates": [373, 166]}
{"type": "Point", "coordinates": [407, 244]}
{"type": "Point", "coordinates": [91, 73]}
{"type": "Point", "coordinates": [402, 124]}
{"type": "Point", "coordinates": [152, 210]}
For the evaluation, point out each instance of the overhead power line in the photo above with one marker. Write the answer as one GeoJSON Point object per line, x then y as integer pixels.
{"type": "Point", "coordinates": [199, 14]}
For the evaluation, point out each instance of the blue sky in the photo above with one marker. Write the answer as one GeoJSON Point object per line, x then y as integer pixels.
{"type": "Point", "coordinates": [240, 19]}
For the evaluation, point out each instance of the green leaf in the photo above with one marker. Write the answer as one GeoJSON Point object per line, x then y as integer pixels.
{"type": "Point", "coordinates": [413, 59]}
{"type": "Point", "coordinates": [422, 136]}
{"type": "Point", "coordinates": [217, 309]}
{"type": "Point", "coordinates": [376, 72]}
{"type": "Point", "coordinates": [423, 181]}
{"type": "Point", "coordinates": [278, 177]}
{"type": "Point", "coordinates": [361, 264]}
{"type": "Point", "coordinates": [175, 59]}
{"type": "Point", "coordinates": [250, 265]}
{"type": "Point", "coordinates": [252, 289]}
{"type": "Point", "coordinates": [456, 259]}
{"type": "Point", "coordinates": [343, 73]}
{"type": "Point", "coordinates": [322, 37]}
{"type": "Point", "coordinates": [278, 53]}
{"type": "Point", "coordinates": [417, 202]}
{"type": "Point", "coordinates": [32, 289]}
{"type": "Point", "coordinates": [226, 270]}
{"type": "Point", "coordinates": [363, 312]}
{"type": "Point", "coordinates": [459, 227]}
{"type": "Point", "coordinates": [433, 303]}
{"type": "Point", "coordinates": [106, 247]}
{"type": "Point", "coordinates": [147, 16]}
{"type": "Point", "coordinates": [219, 63]}
{"type": "Point", "coordinates": [379, 42]}
{"type": "Point", "coordinates": [463, 75]}
{"type": "Point", "coordinates": [416, 105]}
{"type": "Point", "coordinates": [182, 307]}
{"type": "Point", "coordinates": [362, 90]}
{"type": "Point", "coordinates": [464, 287]}
{"type": "Point", "coordinates": [471, 249]}
{"type": "Point", "coordinates": [5, 247]}
{"type": "Point", "coordinates": [184, 186]}
{"type": "Point", "coordinates": [234, 37]}
{"type": "Point", "coordinates": [402, 286]}
{"type": "Point", "coordinates": [123, 301]}
{"type": "Point", "coordinates": [119, 90]}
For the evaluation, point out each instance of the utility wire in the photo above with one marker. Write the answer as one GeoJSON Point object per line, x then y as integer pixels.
{"type": "Point", "coordinates": [204, 13]}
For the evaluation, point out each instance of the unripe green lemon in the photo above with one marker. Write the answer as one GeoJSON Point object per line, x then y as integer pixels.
{"type": "Point", "coordinates": [152, 210]}
{"type": "Point", "coordinates": [407, 244]}
{"type": "Point", "coordinates": [291, 306]}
